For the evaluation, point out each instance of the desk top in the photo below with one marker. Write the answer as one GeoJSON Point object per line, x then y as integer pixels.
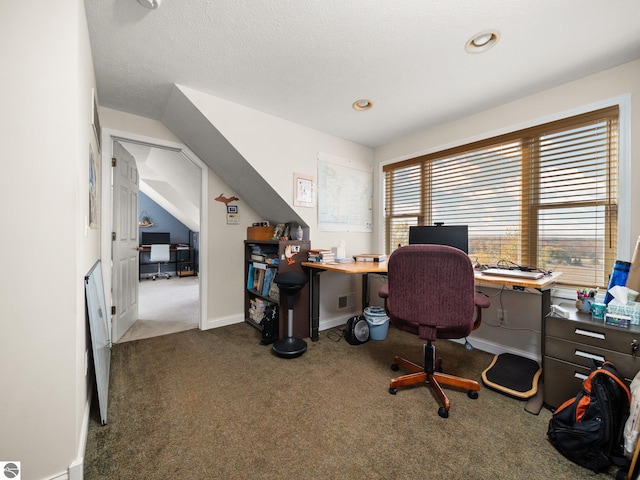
{"type": "Point", "coordinates": [481, 279]}
{"type": "Point", "coordinates": [351, 267]}
{"type": "Point", "coordinates": [174, 247]}
{"type": "Point", "coordinates": [493, 280]}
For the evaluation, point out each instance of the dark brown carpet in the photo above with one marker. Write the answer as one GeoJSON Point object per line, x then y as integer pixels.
{"type": "Point", "coordinates": [217, 405]}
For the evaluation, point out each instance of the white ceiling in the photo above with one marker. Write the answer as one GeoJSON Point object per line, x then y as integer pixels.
{"type": "Point", "coordinates": [307, 61]}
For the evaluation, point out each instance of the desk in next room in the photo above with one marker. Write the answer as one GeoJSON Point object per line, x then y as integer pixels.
{"type": "Point", "coordinates": [181, 257]}
{"type": "Point", "coordinates": [364, 269]}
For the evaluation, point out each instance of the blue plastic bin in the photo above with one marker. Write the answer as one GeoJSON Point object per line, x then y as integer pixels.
{"type": "Point", "coordinates": [378, 322]}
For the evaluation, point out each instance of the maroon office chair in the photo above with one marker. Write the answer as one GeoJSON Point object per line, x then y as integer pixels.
{"type": "Point", "coordinates": [431, 293]}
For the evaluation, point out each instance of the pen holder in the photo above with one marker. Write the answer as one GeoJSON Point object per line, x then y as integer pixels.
{"type": "Point", "coordinates": [586, 305]}
{"type": "Point", "coordinates": [583, 304]}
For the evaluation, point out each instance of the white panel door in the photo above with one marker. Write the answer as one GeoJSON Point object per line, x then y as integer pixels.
{"type": "Point", "coordinates": [125, 245]}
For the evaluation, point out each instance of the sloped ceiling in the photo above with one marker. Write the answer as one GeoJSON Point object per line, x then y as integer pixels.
{"type": "Point", "coordinates": [204, 139]}
{"type": "Point", "coordinates": [169, 179]}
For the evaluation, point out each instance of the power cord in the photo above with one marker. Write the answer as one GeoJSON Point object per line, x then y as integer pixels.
{"type": "Point", "coordinates": [336, 334]}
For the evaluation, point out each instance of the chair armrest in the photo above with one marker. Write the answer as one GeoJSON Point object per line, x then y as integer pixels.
{"type": "Point", "coordinates": [383, 292]}
{"type": "Point", "coordinates": [481, 301]}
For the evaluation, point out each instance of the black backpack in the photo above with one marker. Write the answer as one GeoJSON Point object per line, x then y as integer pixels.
{"type": "Point", "coordinates": [269, 325]}
{"type": "Point", "coordinates": [588, 429]}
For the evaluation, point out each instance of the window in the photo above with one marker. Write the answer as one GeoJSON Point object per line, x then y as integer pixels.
{"type": "Point", "coordinates": [543, 197]}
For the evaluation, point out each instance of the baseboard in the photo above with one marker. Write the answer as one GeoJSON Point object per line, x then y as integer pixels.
{"type": "Point", "coordinates": [336, 321]}
{"type": "Point", "coordinates": [76, 469]}
{"type": "Point", "coordinates": [239, 318]}
{"type": "Point", "coordinates": [223, 321]}
{"type": "Point", "coordinates": [497, 348]}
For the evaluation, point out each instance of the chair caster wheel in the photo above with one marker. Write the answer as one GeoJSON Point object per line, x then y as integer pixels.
{"type": "Point", "coordinates": [472, 394]}
{"type": "Point", "coordinates": [393, 391]}
{"type": "Point", "coordinates": [395, 367]}
{"type": "Point", "coordinates": [443, 412]}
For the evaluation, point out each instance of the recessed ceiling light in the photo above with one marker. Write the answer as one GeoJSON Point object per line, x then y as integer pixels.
{"type": "Point", "coordinates": [150, 4]}
{"type": "Point", "coordinates": [483, 41]}
{"type": "Point", "coordinates": [363, 104]}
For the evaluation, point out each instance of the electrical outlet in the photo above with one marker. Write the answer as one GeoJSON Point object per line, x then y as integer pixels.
{"type": "Point", "coordinates": [502, 316]}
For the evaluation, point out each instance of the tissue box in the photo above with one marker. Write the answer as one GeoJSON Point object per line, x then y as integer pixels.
{"type": "Point", "coordinates": [631, 310]}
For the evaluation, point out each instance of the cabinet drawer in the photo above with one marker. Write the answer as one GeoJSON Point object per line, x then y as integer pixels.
{"type": "Point", "coordinates": [581, 354]}
{"type": "Point", "coordinates": [609, 338]}
{"type": "Point", "coordinates": [562, 380]}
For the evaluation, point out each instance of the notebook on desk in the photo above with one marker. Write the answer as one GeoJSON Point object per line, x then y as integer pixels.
{"type": "Point", "coordinates": [505, 272]}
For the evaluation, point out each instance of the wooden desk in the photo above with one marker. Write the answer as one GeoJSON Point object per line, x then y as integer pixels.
{"type": "Point", "coordinates": [315, 269]}
{"type": "Point", "coordinates": [366, 268]}
{"type": "Point", "coordinates": [496, 281]}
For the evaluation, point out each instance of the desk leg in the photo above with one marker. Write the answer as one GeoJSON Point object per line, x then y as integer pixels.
{"type": "Point", "coordinates": [546, 308]}
{"type": "Point", "coordinates": [365, 291]}
{"type": "Point", "coordinates": [314, 302]}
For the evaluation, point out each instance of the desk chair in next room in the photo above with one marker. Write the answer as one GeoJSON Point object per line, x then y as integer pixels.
{"type": "Point", "coordinates": [431, 293]}
{"type": "Point", "coordinates": [160, 254]}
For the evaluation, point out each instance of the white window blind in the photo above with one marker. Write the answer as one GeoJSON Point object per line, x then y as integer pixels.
{"type": "Point", "coordinates": [544, 197]}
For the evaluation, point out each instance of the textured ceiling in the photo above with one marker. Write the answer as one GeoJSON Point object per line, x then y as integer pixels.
{"type": "Point", "coordinates": [307, 61]}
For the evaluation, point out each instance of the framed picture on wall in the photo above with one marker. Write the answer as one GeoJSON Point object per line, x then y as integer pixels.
{"type": "Point", "coordinates": [93, 191]}
{"type": "Point", "coordinates": [95, 119]}
{"type": "Point", "coordinates": [303, 190]}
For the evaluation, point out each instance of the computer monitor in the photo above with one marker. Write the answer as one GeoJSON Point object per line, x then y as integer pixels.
{"type": "Point", "coordinates": [453, 235]}
{"type": "Point", "coordinates": [151, 238]}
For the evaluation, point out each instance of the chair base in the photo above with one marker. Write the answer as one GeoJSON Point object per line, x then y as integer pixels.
{"type": "Point", "coordinates": [289, 347]}
{"type": "Point", "coordinates": [422, 375]}
{"type": "Point", "coordinates": [153, 276]}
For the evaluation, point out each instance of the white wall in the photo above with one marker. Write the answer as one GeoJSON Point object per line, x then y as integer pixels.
{"type": "Point", "coordinates": [536, 108]}
{"type": "Point", "coordinates": [225, 247]}
{"type": "Point", "coordinates": [277, 148]}
{"type": "Point", "coordinates": [46, 125]}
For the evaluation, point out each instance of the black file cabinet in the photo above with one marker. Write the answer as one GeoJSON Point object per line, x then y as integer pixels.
{"type": "Point", "coordinates": [569, 345]}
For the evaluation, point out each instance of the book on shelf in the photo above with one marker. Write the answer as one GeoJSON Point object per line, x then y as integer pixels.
{"type": "Point", "coordinates": [266, 284]}
{"type": "Point", "coordinates": [274, 292]}
{"type": "Point", "coordinates": [370, 257]}
{"type": "Point", "coordinates": [257, 308]}
{"type": "Point", "coordinates": [258, 280]}
{"type": "Point", "coordinates": [250, 277]}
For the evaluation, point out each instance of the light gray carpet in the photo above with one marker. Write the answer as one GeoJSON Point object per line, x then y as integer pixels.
{"type": "Point", "coordinates": [218, 405]}
{"type": "Point", "coordinates": [165, 306]}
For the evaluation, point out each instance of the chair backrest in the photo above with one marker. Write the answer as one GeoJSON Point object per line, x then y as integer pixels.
{"type": "Point", "coordinates": [431, 287]}
{"type": "Point", "coordinates": [159, 253]}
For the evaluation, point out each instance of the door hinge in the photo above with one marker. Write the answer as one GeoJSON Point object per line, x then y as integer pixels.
{"type": "Point", "coordinates": [113, 310]}
{"type": "Point", "coordinates": [113, 236]}
{"type": "Point", "coordinates": [113, 162]}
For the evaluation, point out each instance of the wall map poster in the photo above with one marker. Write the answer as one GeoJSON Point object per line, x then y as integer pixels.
{"type": "Point", "coordinates": [345, 195]}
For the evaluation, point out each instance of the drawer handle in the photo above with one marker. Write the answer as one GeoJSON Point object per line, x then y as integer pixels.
{"type": "Point", "coordinates": [587, 333]}
{"type": "Point", "coordinates": [582, 354]}
{"type": "Point", "coordinates": [580, 376]}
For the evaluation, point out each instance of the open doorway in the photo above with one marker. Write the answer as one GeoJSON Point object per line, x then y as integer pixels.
{"type": "Point", "coordinates": [168, 207]}
{"type": "Point", "coordinates": [165, 173]}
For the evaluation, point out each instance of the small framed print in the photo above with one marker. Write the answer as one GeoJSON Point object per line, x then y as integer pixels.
{"type": "Point", "coordinates": [303, 190]}
{"type": "Point", "coordinates": [232, 209]}
{"type": "Point", "coordinates": [95, 120]}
